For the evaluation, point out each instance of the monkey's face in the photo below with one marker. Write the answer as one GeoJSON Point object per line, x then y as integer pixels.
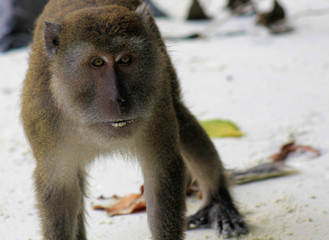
{"type": "Point", "coordinates": [104, 69]}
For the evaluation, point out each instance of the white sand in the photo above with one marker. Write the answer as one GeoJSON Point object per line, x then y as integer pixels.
{"type": "Point", "coordinates": [271, 86]}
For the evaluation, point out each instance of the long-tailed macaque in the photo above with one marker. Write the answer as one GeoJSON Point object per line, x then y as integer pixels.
{"type": "Point", "coordinates": [100, 81]}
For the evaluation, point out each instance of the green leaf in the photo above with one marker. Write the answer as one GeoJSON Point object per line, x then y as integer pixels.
{"type": "Point", "coordinates": [221, 128]}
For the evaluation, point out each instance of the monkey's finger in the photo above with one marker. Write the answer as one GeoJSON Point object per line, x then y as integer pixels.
{"type": "Point", "coordinates": [231, 226]}
{"type": "Point", "coordinates": [241, 227]}
{"type": "Point", "coordinates": [199, 220]}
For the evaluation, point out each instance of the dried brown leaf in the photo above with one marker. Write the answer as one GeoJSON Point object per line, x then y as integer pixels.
{"type": "Point", "coordinates": [291, 147]}
{"type": "Point", "coordinates": [126, 205]}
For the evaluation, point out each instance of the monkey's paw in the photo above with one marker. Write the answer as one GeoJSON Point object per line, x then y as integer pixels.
{"type": "Point", "coordinates": [226, 219]}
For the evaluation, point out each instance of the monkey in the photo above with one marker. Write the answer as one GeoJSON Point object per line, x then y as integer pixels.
{"type": "Point", "coordinates": [100, 82]}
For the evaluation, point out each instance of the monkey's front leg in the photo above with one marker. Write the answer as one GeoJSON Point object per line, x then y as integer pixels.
{"type": "Point", "coordinates": [164, 192]}
{"type": "Point", "coordinates": [60, 202]}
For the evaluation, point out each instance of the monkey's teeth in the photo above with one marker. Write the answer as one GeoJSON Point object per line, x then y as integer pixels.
{"type": "Point", "coordinates": [121, 124]}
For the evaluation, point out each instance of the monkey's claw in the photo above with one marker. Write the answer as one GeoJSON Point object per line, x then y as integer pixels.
{"type": "Point", "coordinates": [226, 219]}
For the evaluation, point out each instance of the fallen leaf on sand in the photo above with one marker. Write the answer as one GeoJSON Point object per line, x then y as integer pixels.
{"type": "Point", "coordinates": [291, 147]}
{"type": "Point", "coordinates": [275, 168]}
{"type": "Point", "coordinates": [261, 172]}
{"type": "Point", "coordinates": [129, 204]}
{"type": "Point", "coordinates": [221, 128]}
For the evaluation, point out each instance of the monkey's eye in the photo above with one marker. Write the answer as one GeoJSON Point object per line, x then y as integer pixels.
{"type": "Point", "coordinates": [124, 60]}
{"type": "Point", "coordinates": [98, 62]}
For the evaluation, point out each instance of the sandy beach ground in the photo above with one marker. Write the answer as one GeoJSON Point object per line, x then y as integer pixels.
{"type": "Point", "coordinates": [271, 86]}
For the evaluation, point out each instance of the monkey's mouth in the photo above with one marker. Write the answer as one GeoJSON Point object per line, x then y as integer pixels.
{"type": "Point", "coordinates": [120, 124]}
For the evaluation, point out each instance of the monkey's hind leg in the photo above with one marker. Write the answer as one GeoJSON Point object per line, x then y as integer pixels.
{"type": "Point", "coordinates": [202, 160]}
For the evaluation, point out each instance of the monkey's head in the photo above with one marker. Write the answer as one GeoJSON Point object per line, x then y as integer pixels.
{"type": "Point", "coordinates": [104, 65]}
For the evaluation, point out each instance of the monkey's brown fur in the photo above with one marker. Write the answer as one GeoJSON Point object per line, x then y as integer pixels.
{"type": "Point", "coordinates": [100, 82]}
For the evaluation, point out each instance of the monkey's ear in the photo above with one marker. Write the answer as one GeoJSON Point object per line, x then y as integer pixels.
{"type": "Point", "coordinates": [144, 12]}
{"type": "Point", "coordinates": [51, 36]}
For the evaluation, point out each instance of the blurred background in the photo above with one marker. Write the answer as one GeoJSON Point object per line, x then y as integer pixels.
{"type": "Point", "coordinates": [262, 64]}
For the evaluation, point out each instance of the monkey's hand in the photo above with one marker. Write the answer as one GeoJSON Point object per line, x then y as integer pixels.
{"type": "Point", "coordinates": [223, 216]}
